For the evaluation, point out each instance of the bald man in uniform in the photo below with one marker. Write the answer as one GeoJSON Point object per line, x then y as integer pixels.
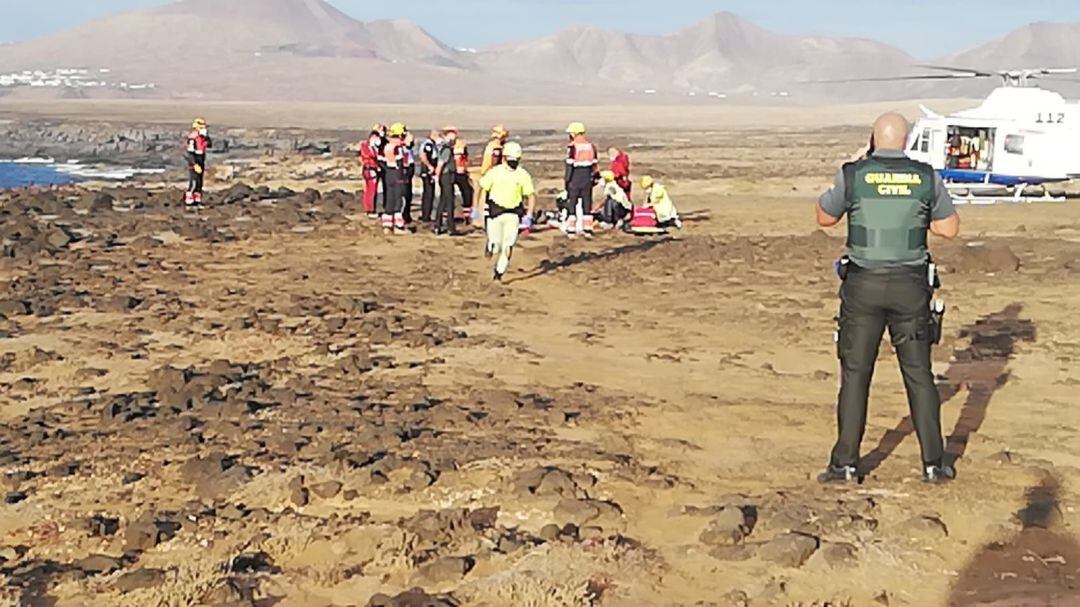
{"type": "Point", "coordinates": [891, 202]}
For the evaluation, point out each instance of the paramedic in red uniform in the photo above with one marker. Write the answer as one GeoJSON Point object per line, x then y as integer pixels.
{"type": "Point", "coordinates": [369, 162]}
{"type": "Point", "coordinates": [620, 166]}
{"type": "Point", "coordinates": [198, 142]}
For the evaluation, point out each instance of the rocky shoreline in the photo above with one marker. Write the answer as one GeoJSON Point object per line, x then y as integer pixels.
{"type": "Point", "coordinates": [149, 146]}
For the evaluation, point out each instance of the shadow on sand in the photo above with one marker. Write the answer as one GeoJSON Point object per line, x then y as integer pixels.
{"type": "Point", "coordinates": [982, 368]}
{"type": "Point", "coordinates": [548, 265]}
{"type": "Point", "coordinates": [1038, 567]}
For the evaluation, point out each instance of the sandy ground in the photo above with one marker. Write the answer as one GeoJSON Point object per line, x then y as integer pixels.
{"type": "Point", "coordinates": [625, 422]}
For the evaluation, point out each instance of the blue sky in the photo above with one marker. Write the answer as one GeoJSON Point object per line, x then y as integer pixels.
{"type": "Point", "coordinates": [924, 28]}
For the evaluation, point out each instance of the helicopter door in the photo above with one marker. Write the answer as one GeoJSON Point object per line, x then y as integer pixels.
{"type": "Point", "coordinates": [970, 149]}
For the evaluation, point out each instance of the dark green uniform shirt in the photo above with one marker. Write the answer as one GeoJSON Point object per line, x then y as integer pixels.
{"type": "Point", "coordinates": [835, 203]}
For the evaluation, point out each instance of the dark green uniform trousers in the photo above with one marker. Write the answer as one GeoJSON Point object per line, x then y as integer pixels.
{"type": "Point", "coordinates": [897, 298]}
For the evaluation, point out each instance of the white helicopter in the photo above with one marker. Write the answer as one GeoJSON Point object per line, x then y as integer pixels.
{"type": "Point", "coordinates": [1021, 136]}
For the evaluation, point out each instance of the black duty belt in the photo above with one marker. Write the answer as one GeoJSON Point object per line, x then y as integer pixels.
{"type": "Point", "coordinates": [920, 269]}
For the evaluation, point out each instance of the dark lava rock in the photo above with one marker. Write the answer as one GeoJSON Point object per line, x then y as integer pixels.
{"type": "Point", "coordinates": [101, 202]}
{"type": "Point", "coordinates": [117, 303]}
{"type": "Point", "coordinates": [63, 470]}
{"type": "Point", "coordinates": [729, 527]}
{"type": "Point", "coordinates": [57, 237]}
{"type": "Point", "coordinates": [299, 496]}
{"type": "Point", "coordinates": [840, 555]}
{"type": "Point", "coordinates": [549, 480]}
{"type": "Point", "coordinates": [98, 564]}
{"type": "Point", "coordinates": [214, 475]}
{"type": "Point", "coordinates": [789, 549]}
{"type": "Point", "coordinates": [132, 477]}
{"type": "Point", "coordinates": [14, 497]}
{"type": "Point", "coordinates": [237, 193]}
{"type": "Point", "coordinates": [444, 570]}
{"type": "Point", "coordinates": [412, 598]}
{"type": "Point", "coordinates": [141, 578]}
{"type": "Point", "coordinates": [102, 526]}
{"type": "Point", "coordinates": [148, 531]}
{"type": "Point", "coordinates": [253, 562]}
{"type": "Point", "coordinates": [989, 258]}
{"type": "Point", "coordinates": [12, 307]}
{"type": "Point", "coordinates": [589, 512]}
{"type": "Point", "coordinates": [228, 592]}
{"type": "Point", "coordinates": [925, 527]}
{"type": "Point", "coordinates": [326, 490]}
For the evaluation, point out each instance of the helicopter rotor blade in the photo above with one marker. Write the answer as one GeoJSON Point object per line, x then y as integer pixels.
{"type": "Point", "coordinates": [958, 70]}
{"type": "Point", "coordinates": [1053, 79]}
{"type": "Point", "coordinates": [959, 76]}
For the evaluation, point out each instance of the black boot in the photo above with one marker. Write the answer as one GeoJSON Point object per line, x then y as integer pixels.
{"type": "Point", "coordinates": [839, 474]}
{"type": "Point", "coordinates": [937, 474]}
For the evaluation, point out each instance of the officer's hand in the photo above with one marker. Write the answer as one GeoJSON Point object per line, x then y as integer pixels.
{"type": "Point", "coordinates": [527, 223]}
{"type": "Point", "coordinates": [198, 169]}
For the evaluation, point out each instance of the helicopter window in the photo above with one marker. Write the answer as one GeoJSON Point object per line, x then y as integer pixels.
{"type": "Point", "coordinates": [1014, 144]}
{"type": "Point", "coordinates": [924, 145]}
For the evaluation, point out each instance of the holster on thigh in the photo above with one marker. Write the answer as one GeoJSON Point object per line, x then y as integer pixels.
{"type": "Point", "coordinates": [916, 330]}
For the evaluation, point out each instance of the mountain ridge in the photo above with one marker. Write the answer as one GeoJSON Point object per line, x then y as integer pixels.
{"type": "Point", "coordinates": [310, 50]}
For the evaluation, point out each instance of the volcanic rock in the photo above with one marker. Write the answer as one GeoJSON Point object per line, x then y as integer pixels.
{"type": "Point", "coordinates": [989, 258]}
{"type": "Point", "coordinates": [141, 578]}
{"type": "Point", "coordinates": [729, 527]}
{"type": "Point", "coordinates": [925, 527]}
{"type": "Point", "coordinates": [98, 564]}
{"type": "Point", "coordinates": [839, 555]}
{"type": "Point", "coordinates": [411, 598]}
{"type": "Point", "coordinates": [326, 490]}
{"type": "Point", "coordinates": [789, 549]}
{"type": "Point", "coordinates": [444, 570]}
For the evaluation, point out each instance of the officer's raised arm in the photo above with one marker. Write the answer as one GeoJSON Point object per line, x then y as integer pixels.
{"type": "Point", "coordinates": [832, 205]}
{"type": "Point", "coordinates": [945, 221]}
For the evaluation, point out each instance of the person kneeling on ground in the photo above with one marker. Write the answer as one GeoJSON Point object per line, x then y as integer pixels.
{"type": "Point", "coordinates": [509, 190]}
{"type": "Point", "coordinates": [617, 205]}
{"type": "Point", "coordinates": [658, 199]}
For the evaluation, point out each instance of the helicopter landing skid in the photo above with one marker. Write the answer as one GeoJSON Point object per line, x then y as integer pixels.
{"type": "Point", "coordinates": [986, 193]}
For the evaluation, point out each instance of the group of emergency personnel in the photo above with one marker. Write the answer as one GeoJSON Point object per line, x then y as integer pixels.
{"type": "Point", "coordinates": [390, 161]}
{"type": "Point", "coordinates": [505, 200]}
{"type": "Point", "coordinates": [888, 277]}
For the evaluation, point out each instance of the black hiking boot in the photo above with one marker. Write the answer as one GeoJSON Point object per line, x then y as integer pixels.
{"type": "Point", "coordinates": [839, 474]}
{"type": "Point", "coordinates": [938, 474]}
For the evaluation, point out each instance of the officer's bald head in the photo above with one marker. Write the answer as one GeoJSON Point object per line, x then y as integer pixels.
{"type": "Point", "coordinates": [891, 132]}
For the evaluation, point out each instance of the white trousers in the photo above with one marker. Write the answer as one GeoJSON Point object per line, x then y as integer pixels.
{"type": "Point", "coordinates": [502, 233]}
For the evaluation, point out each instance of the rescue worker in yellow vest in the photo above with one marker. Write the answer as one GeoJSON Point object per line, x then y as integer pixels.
{"type": "Point", "coordinates": [393, 217]}
{"type": "Point", "coordinates": [657, 198]}
{"type": "Point", "coordinates": [617, 205]}
{"type": "Point", "coordinates": [891, 202]}
{"type": "Point", "coordinates": [510, 193]}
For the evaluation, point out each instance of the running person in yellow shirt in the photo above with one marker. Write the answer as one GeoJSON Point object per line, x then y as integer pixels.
{"type": "Point", "coordinates": [509, 190]}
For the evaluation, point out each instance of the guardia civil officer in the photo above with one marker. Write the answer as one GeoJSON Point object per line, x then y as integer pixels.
{"type": "Point", "coordinates": [891, 202]}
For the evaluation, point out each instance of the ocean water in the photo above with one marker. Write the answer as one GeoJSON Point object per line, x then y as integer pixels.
{"type": "Point", "coordinates": [46, 171]}
{"type": "Point", "coordinates": [19, 174]}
